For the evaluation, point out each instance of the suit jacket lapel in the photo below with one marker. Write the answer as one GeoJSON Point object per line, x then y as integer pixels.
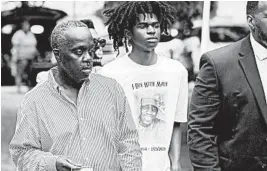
{"type": "Point", "coordinates": [249, 66]}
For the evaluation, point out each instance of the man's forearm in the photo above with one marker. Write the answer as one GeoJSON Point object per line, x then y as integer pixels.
{"type": "Point", "coordinates": [32, 159]}
{"type": "Point", "coordinates": [175, 146]}
{"type": "Point", "coordinates": [130, 153]}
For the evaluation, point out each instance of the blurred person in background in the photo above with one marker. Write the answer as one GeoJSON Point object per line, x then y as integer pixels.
{"type": "Point", "coordinates": [172, 48]}
{"type": "Point", "coordinates": [143, 71]}
{"type": "Point", "coordinates": [99, 43]}
{"type": "Point", "coordinates": [186, 58]}
{"type": "Point", "coordinates": [227, 126]}
{"type": "Point", "coordinates": [75, 118]}
{"type": "Point", "coordinates": [23, 52]}
{"type": "Point", "coordinates": [179, 47]}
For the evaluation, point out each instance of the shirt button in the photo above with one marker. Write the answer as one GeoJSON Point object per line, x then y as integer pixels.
{"type": "Point", "coordinates": [81, 119]}
{"type": "Point", "coordinates": [84, 139]}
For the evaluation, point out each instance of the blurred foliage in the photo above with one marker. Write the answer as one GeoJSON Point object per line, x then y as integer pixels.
{"type": "Point", "coordinates": [185, 9]}
{"type": "Point", "coordinates": [186, 12]}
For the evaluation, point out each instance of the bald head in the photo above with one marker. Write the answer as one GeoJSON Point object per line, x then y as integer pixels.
{"type": "Point", "coordinates": [58, 34]}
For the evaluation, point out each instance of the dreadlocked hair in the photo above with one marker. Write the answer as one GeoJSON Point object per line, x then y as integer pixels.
{"type": "Point", "coordinates": [124, 16]}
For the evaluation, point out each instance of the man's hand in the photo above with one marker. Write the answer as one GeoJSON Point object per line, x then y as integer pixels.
{"type": "Point", "coordinates": [176, 167]}
{"type": "Point", "coordinates": [64, 164]}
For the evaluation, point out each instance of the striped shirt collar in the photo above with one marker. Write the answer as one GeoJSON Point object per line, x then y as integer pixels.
{"type": "Point", "coordinates": [55, 85]}
{"type": "Point", "coordinates": [259, 51]}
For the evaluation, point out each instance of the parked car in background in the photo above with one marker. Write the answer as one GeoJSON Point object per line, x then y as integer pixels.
{"type": "Point", "coordinates": [223, 31]}
{"type": "Point", "coordinates": [42, 21]}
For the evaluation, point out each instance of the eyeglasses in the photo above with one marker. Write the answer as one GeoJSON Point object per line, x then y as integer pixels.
{"type": "Point", "coordinates": [99, 42]}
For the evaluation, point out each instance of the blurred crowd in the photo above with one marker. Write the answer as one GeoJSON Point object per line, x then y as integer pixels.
{"type": "Point", "coordinates": [26, 52]}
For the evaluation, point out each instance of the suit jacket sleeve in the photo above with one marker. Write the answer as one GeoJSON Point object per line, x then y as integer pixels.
{"type": "Point", "coordinates": [204, 108]}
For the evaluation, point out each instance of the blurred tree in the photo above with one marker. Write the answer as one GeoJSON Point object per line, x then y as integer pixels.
{"type": "Point", "coordinates": [187, 11]}
{"type": "Point", "coordinates": [107, 4]}
{"type": "Point", "coordinates": [24, 4]}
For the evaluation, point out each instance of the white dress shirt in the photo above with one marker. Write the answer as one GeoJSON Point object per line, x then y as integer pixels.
{"type": "Point", "coordinates": [260, 53]}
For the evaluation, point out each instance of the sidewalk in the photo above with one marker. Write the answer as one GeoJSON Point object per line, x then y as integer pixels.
{"type": "Point", "coordinates": [10, 101]}
{"type": "Point", "coordinates": [13, 89]}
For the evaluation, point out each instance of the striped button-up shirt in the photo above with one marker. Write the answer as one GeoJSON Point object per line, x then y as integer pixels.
{"type": "Point", "coordinates": [97, 132]}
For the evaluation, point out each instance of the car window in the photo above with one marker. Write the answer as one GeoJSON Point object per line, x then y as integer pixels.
{"type": "Point", "coordinates": [223, 34]}
{"type": "Point", "coordinates": [227, 34]}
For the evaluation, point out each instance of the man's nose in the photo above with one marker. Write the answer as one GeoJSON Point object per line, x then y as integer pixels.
{"type": "Point", "coordinates": [151, 29]}
{"type": "Point", "coordinates": [87, 57]}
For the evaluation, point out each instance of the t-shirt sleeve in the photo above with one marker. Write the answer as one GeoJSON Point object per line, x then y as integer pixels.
{"type": "Point", "coordinates": [42, 76]}
{"type": "Point", "coordinates": [182, 101]}
{"type": "Point", "coordinates": [103, 71]}
{"type": "Point", "coordinates": [107, 71]}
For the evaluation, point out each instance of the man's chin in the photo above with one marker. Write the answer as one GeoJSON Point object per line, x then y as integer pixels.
{"type": "Point", "coordinates": [151, 48]}
{"type": "Point", "coordinates": [263, 39]}
{"type": "Point", "coordinates": [82, 80]}
{"type": "Point", "coordinates": [85, 79]}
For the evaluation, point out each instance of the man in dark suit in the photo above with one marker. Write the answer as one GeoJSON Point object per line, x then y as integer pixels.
{"type": "Point", "coordinates": [227, 127]}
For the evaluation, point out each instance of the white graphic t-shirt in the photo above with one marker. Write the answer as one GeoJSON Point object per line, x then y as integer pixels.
{"type": "Point", "coordinates": [158, 97]}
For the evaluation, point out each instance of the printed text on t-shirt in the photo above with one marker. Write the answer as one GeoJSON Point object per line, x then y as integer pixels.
{"type": "Point", "coordinates": [150, 84]}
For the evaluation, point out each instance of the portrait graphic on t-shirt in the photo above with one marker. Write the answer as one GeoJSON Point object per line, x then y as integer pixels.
{"type": "Point", "coordinates": [150, 111]}
{"type": "Point", "coordinates": [151, 115]}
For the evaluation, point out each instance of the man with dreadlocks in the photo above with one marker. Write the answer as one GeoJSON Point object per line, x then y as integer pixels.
{"type": "Point", "coordinates": [143, 72]}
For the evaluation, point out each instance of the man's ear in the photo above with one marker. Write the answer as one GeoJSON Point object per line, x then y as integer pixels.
{"type": "Point", "coordinates": [251, 22]}
{"type": "Point", "coordinates": [128, 34]}
{"type": "Point", "coordinates": [57, 54]}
